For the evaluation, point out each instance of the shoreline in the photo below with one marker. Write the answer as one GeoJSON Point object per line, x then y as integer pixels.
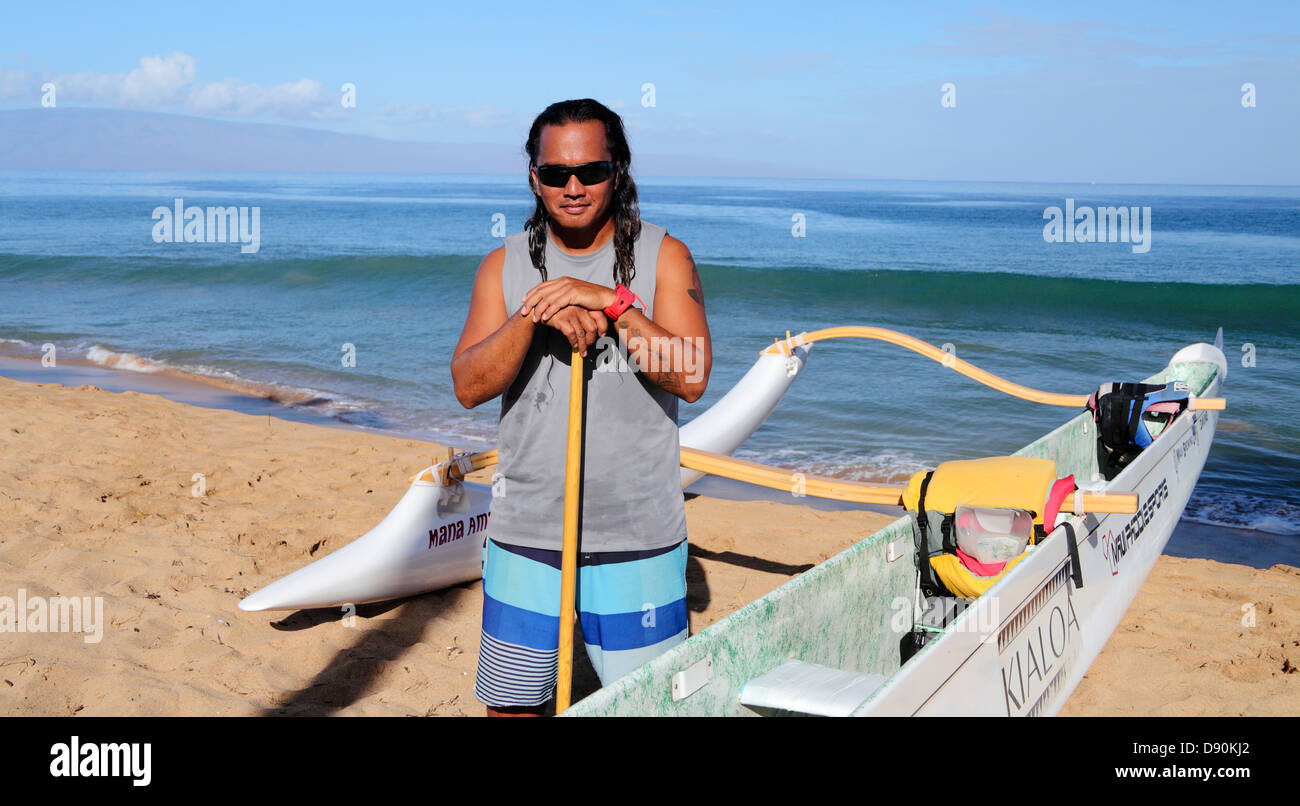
{"type": "Point", "coordinates": [182, 387]}
{"type": "Point", "coordinates": [98, 499]}
{"type": "Point", "coordinates": [1191, 539]}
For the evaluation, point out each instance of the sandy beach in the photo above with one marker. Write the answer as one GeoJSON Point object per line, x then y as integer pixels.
{"type": "Point", "coordinates": [100, 496]}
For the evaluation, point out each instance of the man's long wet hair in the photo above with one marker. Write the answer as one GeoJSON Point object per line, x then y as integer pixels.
{"type": "Point", "coordinates": [625, 209]}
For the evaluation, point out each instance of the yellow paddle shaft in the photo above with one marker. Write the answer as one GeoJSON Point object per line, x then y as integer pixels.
{"type": "Point", "coordinates": [953, 362]}
{"type": "Point", "coordinates": [569, 555]}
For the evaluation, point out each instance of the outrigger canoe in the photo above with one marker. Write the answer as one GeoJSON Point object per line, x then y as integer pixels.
{"type": "Point", "coordinates": [840, 639]}
{"type": "Point", "coordinates": [831, 641]}
{"type": "Point", "coordinates": [432, 538]}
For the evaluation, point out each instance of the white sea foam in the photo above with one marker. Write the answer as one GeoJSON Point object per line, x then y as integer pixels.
{"type": "Point", "coordinates": [1261, 523]}
{"type": "Point", "coordinates": [1249, 512]}
{"type": "Point", "coordinates": [327, 404]}
{"type": "Point", "coordinates": [124, 361]}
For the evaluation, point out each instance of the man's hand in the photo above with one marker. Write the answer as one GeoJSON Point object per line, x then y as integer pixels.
{"type": "Point", "coordinates": [580, 326]}
{"type": "Point", "coordinates": [548, 298]}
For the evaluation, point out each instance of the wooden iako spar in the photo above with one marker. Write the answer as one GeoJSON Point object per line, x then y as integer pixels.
{"type": "Point", "coordinates": [841, 490]}
{"type": "Point", "coordinates": [779, 478]}
{"type": "Point", "coordinates": [953, 362]}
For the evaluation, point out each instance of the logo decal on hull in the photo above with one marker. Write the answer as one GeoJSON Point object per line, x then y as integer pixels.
{"type": "Point", "coordinates": [455, 531]}
{"type": "Point", "coordinates": [1114, 545]}
{"type": "Point", "coordinates": [1038, 646]}
{"type": "Point", "coordinates": [1192, 440]}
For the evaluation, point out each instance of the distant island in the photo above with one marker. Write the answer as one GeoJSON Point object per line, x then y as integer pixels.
{"type": "Point", "coordinates": [81, 138]}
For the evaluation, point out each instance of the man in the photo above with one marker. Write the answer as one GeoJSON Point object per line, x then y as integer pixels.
{"type": "Point", "coordinates": [585, 272]}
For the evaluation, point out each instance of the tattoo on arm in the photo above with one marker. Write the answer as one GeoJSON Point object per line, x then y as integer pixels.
{"type": "Point", "coordinates": [658, 368]}
{"type": "Point", "coordinates": [696, 291]}
{"type": "Point", "coordinates": [669, 379]}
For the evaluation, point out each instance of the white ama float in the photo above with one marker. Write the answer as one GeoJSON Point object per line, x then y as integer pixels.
{"type": "Point", "coordinates": [433, 537]}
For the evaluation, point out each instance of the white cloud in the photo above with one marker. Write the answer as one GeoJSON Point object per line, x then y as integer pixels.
{"type": "Point", "coordinates": [171, 83]}
{"type": "Point", "coordinates": [168, 82]}
{"type": "Point", "coordinates": [295, 100]}
{"type": "Point", "coordinates": [158, 81]}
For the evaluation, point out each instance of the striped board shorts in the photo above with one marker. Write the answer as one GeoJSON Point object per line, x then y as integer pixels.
{"type": "Point", "coordinates": [631, 605]}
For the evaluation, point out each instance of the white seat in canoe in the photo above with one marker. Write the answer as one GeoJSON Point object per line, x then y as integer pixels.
{"type": "Point", "coordinates": [810, 689]}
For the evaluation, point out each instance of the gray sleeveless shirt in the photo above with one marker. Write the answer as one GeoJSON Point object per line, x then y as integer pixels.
{"type": "Point", "coordinates": [631, 495]}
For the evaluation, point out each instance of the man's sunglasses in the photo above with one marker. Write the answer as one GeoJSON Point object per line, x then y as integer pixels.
{"type": "Point", "coordinates": [591, 173]}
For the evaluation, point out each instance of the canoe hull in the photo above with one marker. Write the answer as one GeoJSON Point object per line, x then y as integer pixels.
{"type": "Point", "coordinates": [851, 612]}
{"type": "Point", "coordinates": [1022, 649]}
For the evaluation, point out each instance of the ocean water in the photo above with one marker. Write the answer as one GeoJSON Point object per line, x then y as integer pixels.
{"type": "Point", "coordinates": [385, 264]}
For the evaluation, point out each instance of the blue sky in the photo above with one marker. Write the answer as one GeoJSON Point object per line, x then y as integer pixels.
{"type": "Point", "coordinates": [1107, 92]}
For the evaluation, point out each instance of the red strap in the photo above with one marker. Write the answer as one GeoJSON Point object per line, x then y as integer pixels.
{"type": "Point", "coordinates": [1055, 497]}
{"type": "Point", "coordinates": [624, 300]}
{"type": "Point", "coordinates": [978, 568]}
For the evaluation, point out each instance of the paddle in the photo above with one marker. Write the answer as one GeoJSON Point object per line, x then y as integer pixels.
{"type": "Point", "coordinates": [569, 555]}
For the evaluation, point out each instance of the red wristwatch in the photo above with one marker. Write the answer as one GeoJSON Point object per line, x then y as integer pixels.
{"type": "Point", "coordinates": [622, 303]}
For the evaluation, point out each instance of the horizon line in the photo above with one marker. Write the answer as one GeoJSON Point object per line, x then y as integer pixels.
{"type": "Point", "coordinates": [646, 177]}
